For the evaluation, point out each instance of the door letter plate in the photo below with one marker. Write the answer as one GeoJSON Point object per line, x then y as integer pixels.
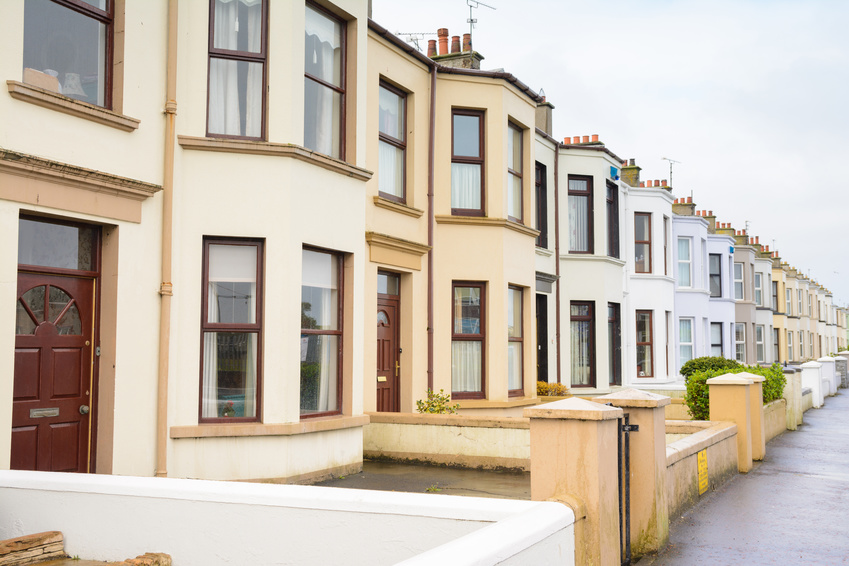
{"type": "Point", "coordinates": [381, 378]}
{"type": "Point", "coordinates": [36, 413]}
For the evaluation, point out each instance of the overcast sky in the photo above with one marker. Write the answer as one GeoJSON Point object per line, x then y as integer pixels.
{"type": "Point", "coordinates": [750, 96]}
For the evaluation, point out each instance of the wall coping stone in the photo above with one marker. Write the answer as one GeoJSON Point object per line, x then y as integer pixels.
{"type": "Point", "coordinates": [635, 398]}
{"type": "Point", "coordinates": [573, 408]}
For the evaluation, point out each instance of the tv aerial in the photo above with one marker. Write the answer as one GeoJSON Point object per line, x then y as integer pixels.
{"type": "Point", "coordinates": [472, 20]}
{"type": "Point", "coordinates": [414, 37]}
{"type": "Point", "coordinates": [671, 161]}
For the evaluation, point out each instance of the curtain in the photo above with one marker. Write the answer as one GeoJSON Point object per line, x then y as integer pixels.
{"type": "Point", "coordinates": [580, 338]}
{"type": "Point", "coordinates": [390, 169]}
{"type": "Point", "coordinates": [514, 365]}
{"type": "Point", "coordinates": [466, 366]}
{"type": "Point", "coordinates": [210, 358]}
{"type": "Point", "coordinates": [466, 186]}
{"type": "Point", "coordinates": [579, 226]}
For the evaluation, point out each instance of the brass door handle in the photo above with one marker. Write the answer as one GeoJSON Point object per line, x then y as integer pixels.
{"type": "Point", "coordinates": [397, 367]}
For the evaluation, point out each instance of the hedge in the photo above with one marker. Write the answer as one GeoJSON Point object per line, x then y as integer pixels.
{"type": "Point", "coordinates": [697, 398]}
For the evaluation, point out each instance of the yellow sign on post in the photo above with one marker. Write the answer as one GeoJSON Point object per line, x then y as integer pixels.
{"type": "Point", "coordinates": [703, 472]}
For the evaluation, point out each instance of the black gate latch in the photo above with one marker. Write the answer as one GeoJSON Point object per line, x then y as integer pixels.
{"type": "Point", "coordinates": [630, 428]}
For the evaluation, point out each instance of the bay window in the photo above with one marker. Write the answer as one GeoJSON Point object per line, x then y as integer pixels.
{"type": "Point", "coordinates": [231, 329]}
{"type": "Point", "coordinates": [642, 242]}
{"type": "Point", "coordinates": [582, 338]}
{"type": "Point", "coordinates": [324, 83]}
{"type": "Point", "coordinates": [645, 341]}
{"type": "Point", "coordinates": [684, 263]}
{"type": "Point", "coordinates": [514, 173]}
{"type": "Point", "coordinates": [580, 214]}
{"type": "Point", "coordinates": [237, 68]}
{"type": "Point", "coordinates": [321, 333]}
{"type": "Point", "coordinates": [467, 163]}
{"type": "Point", "coordinates": [515, 383]}
{"type": "Point", "coordinates": [392, 152]}
{"type": "Point", "coordinates": [468, 337]}
{"type": "Point", "coordinates": [68, 48]}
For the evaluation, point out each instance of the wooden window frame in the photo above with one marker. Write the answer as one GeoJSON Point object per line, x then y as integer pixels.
{"type": "Point", "coordinates": [242, 57]}
{"type": "Point", "coordinates": [340, 322]}
{"type": "Point", "coordinates": [591, 319]}
{"type": "Point", "coordinates": [397, 143]}
{"type": "Point", "coordinates": [541, 204]}
{"type": "Point", "coordinates": [520, 340]}
{"type": "Point", "coordinates": [612, 220]}
{"type": "Point", "coordinates": [343, 63]}
{"type": "Point", "coordinates": [589, 194]}
{"type": "Point", "coordinates": [479, 337]}
{"type": "Point", "coordinates": [244, 328]}
{"type": "Point", "coordinates": [481, 160]}
{"type": "Point", "coordinates": [614, 329]}
{"type": "Point", "coordinates": [647, 242]}
{"type": "Point", "coordinates": [511, 129]}
{"type": "Point", "coordinates": [649, 343]}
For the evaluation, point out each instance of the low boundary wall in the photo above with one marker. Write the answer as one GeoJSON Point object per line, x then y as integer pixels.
{"type": "Point", "coordinates": [775, 419]}
{"type": "Point", "coordinates": [450, 440]}
{"type": "Point", "coordinates": [209, 523]}
{"type": "Point", "coordinates": [719, 439]}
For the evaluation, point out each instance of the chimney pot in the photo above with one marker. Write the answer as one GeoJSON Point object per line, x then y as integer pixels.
{"type": "Point", "coordinates": [757, 239]}
{"type": "Point", "coordinates": [689, 200]}
{"type": "Point", "coordinates": [467, 42]}
{"type": "Point", "coordinates": [633, 162]}
{"type": "Point", "coordinates": [431, 47]}
{"type": "Point", "coordinates": [586, 139]}
{"type": "Point", "coordinates": [710, 213]}
{"type": "Point", "coordinates": [766, 248]}
{"type": "Point", "coordinates": [442, 34]}
{"type": "Point", "coordinates": [642, 183]}
{"type": "Point", "coordinates": [664, 183]}
{"type": "Point", "coordinates": [455, 44]}
{"type": "Point", "coordinates": [595, 137]}
{"type": "Point", "coordinates": [576, 139]}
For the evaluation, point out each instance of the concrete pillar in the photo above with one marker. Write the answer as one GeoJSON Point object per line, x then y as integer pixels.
{"type": "Point", "coordinates": [756, 414]}
{"type": "Point", "coordinates": [730, 400]}
{"type": "Point", "coordinates": [793, 395]}
{"type": "Point", "coordinates": [812, 378]}
{"type": "Point", "coordinates": [829, 375]}
{"type": "Point", "coordinates": [574, 460]}
{"type": "Point", "coordinates": [649, 499]}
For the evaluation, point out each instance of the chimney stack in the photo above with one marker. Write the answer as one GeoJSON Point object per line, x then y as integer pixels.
{"type": "Point", "coordinates": [457, 58]}
{"type": "Point", "coordinates": [630, 174]}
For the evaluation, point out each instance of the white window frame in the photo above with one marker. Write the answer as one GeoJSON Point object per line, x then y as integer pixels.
{"type": "Point", "coordinates": [740, 345]}
{"type": "Point", "coordinates": [759, 291]}
{"type": "Point", "coordinates": [740, 280]}
{"type": "Point", "coordinates": [760, 350]}
{"type": "Point", "coordinates": [789, 345]}
{"type": "Point", "coordinates": [682, 344]}
{"type": "Point", "coordinates": [688, 262]}
{"type": "Point", "coordinates": [712, 343]}
{"type": "Point", "coordinates": [788, 296]}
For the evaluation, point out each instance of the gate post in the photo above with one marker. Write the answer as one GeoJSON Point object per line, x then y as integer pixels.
{"type": "Point", "coordinates": [729, 397]}
{"type": "Point", "coordinates": [574, 457]}
{"type": "Point", "coordinates": [756, 414]}
{"type": "Point", "coordinates": [793, 395]}
{"type": "Point", "coordinates": [649, 500]}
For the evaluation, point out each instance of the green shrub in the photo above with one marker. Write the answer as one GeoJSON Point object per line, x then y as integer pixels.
{"type": "Point", "coordinates": [545, 389]}
{"type": "Point", "coordinates": [706, 363]}
{"type": "Point", "coordinates": [697, 398]}
{"type": "Point", "coordinates": [437, 403]}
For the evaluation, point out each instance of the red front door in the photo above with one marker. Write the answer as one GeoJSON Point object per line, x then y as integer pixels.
{"type": "Point", "coordinates": [51, 417]}
{"type": "Point", "coordinates": [388, 362]}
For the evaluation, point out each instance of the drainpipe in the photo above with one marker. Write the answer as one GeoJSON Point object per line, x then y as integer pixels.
{"type": "Point", "coordinates": [165, 289]}
{"type": "Point", "coordinates": [557, 255]}
{"type": "Point", "coordinates": [430, 224]}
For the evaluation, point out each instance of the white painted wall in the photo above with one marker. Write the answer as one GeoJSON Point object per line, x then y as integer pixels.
{"type": "Point", "coordinates": [207, 523]}
{"type": "Point", "coordinates": [692, 301]}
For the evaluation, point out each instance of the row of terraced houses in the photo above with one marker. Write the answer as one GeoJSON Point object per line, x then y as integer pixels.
{"type": "Point", "coordinates": [234, 228]}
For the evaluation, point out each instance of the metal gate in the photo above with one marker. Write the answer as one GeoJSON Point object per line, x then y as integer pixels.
{"type": "Point", "coordinates": [624, 453]}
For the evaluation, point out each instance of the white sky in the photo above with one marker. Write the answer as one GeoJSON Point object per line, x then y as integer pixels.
{"type": "Point", "coordinates": [751, 96]}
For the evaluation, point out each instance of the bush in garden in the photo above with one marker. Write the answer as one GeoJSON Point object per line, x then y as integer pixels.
{"type": "Point", "coordinates": [437, 403]}
{"type": "Point", "coordinates": [545, 389]}
{"type": "Point", "coordinates": [697, 398]}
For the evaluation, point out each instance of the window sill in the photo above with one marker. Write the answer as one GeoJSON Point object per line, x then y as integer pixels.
{"type": "Point", "coordinates": [486, 221]}
{"type": "Point", "coordinates": [544, 252]}
{"type": "Point", "coordinates": [253, 147]}
{"type": "Point", "coordinates": [398, 207]}
{"type": "Point", "coordinates": [591, 257]}
{"type": "Point", "coordinates": [319, 424]}
{"type": "Point", "coordinates": [55, 101]}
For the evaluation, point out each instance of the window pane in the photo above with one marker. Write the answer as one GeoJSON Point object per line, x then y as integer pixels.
{"type": "Point", "coordinates": [232, 284]}
{"type": "Point", "coordinates": [391, 169]}
{"type": "Point", "coordinates": [581, 352]}
{"type": "Point", "coordinates": [323, 49]}
{"type": "Point", "coordinates": [466, 135]}
{"type": "Point", "coordinates": [686, 353]}
{"type": "Point", "coordinates": [465, 366]}
{"type": "Point", "coordinates": [388, 284]}
{"type": "Point", "coordinates": [683, 262]}
{"type": "Point", "coordinates": [641, 227]}
{"type": "Point", "coordinates": [641, 258]}
{"type": "Point", "coordinates": [514, 196]}
{"type": "Point", "coordinates": [238, 25]}
{"type": "Point", "coordinates": [467, 310]}
{"type": "Point", "coordinates": [514, 149]}
{"type": "Point", "coordinates": [514, 313]}
{"type": "Point", "coordinates": [514, 365]}
{"type": "Point", "coordinates": [685, 327]}
{"type": "Point", "coordinates": [24, 324]}
{"type": "Point", "coordinates": [229, 374]}
{"type": "Point", "coordinates": [466, 186]}
{"type": "Point", "coordinates": [579, 226]}
{"type": "Point", "coordinates": [391, 114]}
{"type": "Point", "coordinates": [235, 98]}
{"type": "Point", "coordinates": [67, 46]}
{"type": "Point", "coordinates": [322, 119]}
{"type": "Point", "coordinates": [319, 355]}
{"type": "Point", "coordinates": [319, 293]}
{"type": "Point", "coordinates": [644, 361]}
{"type": "Point", "coordinates": [643, 327]}
{"type": "Point", "coordinates": [56, 245]}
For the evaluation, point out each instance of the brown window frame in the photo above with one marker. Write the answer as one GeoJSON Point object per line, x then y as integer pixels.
{"type": "Point", "coordinates": [666, 246]}
{"type": "Point", "coordinates": [511, 128]}
{"type": "Point", "coordinates": [541, 204]}
{"type": "Point", "coordinates": [614, 331]}
{"type": "Point", "coordinates": [343, 63]}
{"type": "Point", "coordinates": [649, 343]}
{"type": "Point", "coordinates": [591, 319]}
{"type": "Point", "coordinates": [715, 278]}
{"type": "Point", "coordinates": [612, 220]}
{"type": "Point", "coordinates": [245, 328]}
{"type": "Point", "coordinates": [590, 211]}
{"type": "Point", "coordinates": [339, 332]}
{"type": "Point", "coordinates": [106, 17]}
{"type": "Point", "coordinates": [520, 339]}
{"type": "Point", "coordinates": [481, 160]}
{"type": "Point", "coordinates": [239, 56]}
{"type": "Point", "coordinates": [648, 242]}
{"type": "Point", "coordinates": [479, 337]}
{"type": "Point", "coordinates": [395, 142]}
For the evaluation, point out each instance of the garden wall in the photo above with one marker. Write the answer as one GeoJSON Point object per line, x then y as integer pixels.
{"type": "Point", "coordinates": [775, 419]}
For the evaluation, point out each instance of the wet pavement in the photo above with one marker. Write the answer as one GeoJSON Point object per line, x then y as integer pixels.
{"type": "Point", "coordinates": [390, 476]}
{"type": "Point", "coordinates": [792, 508]}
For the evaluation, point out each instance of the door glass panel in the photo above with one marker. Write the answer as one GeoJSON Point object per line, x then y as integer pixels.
{"type": "Point", "coordinates": [23, 321]}
{"type": "Point", "coordinates": [57, 302]}
{"type": "Point", "coordinates": [70, 324]}
{"type": "Point", "coordinates": [382, 319]}
{"type": "Point", "coordinates": [56, 245]}
{"type": "Point", "coordinates": [34, 299]}
{"type": "Point", "coordinates": [388, 283]}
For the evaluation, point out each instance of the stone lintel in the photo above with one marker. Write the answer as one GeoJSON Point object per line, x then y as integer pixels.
{"type": "Point", "coordinates": [573, 408]}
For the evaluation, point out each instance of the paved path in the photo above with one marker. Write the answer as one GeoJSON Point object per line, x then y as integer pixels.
{"type": "Point", "coordinates": [793, 508]}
